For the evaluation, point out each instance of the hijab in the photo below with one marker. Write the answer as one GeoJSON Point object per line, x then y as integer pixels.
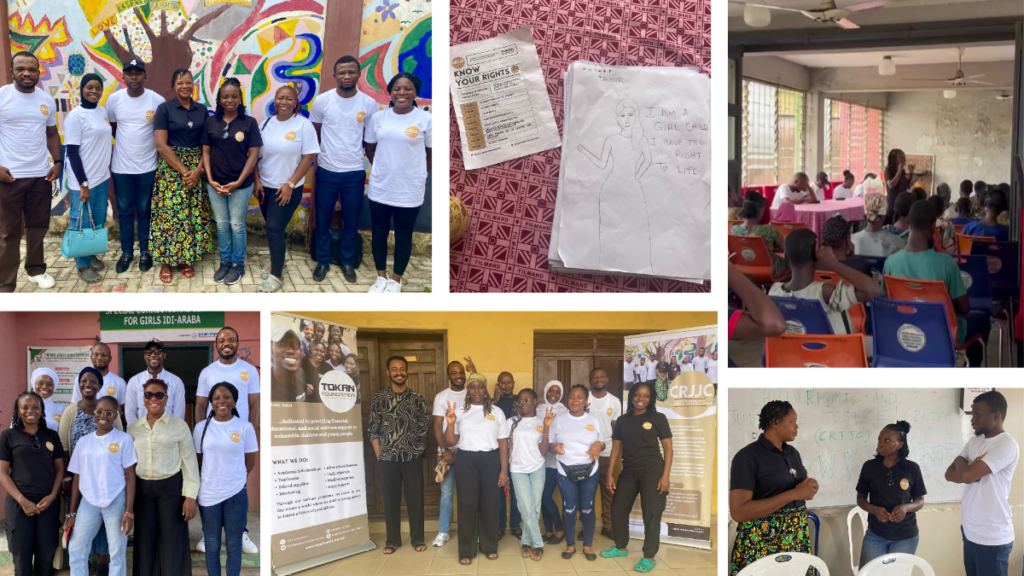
{"type": "Point", "coordinates": [81, 92]}
{"type": "Point", "coordinates": [558, 408]}
{"type": "Point", "coordinates": [43, 372]}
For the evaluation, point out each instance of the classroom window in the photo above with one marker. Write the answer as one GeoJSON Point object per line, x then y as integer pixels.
{"type": "Point", "coordinates": [773, 133]}
{"type": "Point", "coordinates": [853, 139]}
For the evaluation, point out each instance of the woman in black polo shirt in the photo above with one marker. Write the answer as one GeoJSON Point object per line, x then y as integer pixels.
{"type": "Point", "coordinates": [31, 471]}
{"type": "Point", "coordinates": [180, 229]}
{"type": "Point", "coordinates": [891, 489]}
{"type": "Point", "coordinates": [640, 435]}
{"type": "Point", "coordinates": [768, 487]}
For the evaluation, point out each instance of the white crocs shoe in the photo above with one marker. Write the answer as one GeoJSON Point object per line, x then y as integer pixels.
{"type": "Point", "coordinates": [379, 286]}
{"type": "Point", "coordinates": [440, 540]}
{"type": "Point", "coordinates": [393, 286]}
{"type": "Point", "coordinates": [201, 546]}
{"type": "Point", "coordinates": [248, 546]}
{"type": "Point", "coordinates": [44, 280]}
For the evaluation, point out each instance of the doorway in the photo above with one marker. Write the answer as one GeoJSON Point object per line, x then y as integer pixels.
{"type": "Point", "coordinates": [186, 361]}
{"type": "Point", "coordinates": [569, 358]}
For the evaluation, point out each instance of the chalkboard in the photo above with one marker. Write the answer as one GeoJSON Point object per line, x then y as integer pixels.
{"type": "Point", "coordinates": [839, 432]}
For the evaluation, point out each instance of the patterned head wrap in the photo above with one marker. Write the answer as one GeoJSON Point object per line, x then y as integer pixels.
{"type": "Point", "coordinates": [476, 377]}
{"type": "Point", "coordinates": [874, 207]}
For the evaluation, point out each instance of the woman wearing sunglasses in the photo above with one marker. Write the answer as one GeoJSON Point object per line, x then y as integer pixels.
{"type": "Point", "coordinates": [103, 491]}
{"type": "Point", "coordinates": [168, 483]}
{"type": "Point", "coordinates": [31, 469]}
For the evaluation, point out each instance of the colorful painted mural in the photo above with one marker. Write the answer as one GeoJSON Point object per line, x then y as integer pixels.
{"type": "Point", "coordinates": [676, 348]}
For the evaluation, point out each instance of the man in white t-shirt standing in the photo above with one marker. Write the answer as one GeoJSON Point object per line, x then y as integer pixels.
{"type": "Point", "coordinates": [339, 117]}
{"type": "Point", "coordinates": [606, 408]}
{"type": "Point", "coordinates": [456, 394]}
{"type": "Point", "coordinates": [134, 405]}
{"type": "Point", "coordinates": [651, 370]}
{"type": "Point", "coordinates": [628, 374]}
{"type": "Point", "coordinates": [798, 191]}
{"type": "Point", "coordinates": [985, 468]}
{"type": "Point", "coordinates": [700, 363]}
{"type": "Point", "coordinates": [28, 131]}
{"type": "Point", "coordinates": [713, 367]}
{"type": "Point", "coordinates": [113, 385]}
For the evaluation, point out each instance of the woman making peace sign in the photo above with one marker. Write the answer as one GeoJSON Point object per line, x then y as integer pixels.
{"type": "Point", "coordinates": [527, 437]}
{"type": "Point", "coordinates": [482, 464]}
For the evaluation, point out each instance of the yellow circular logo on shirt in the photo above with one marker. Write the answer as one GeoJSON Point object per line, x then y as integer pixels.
{"type": "Point", "coordinates": [114, 448]}
{"type": "Point", "coordinates": [111, 390]}
{"type": "Point", "coordinates": [56, 418]}
{"type": "Point", "coordinates": [44, 109]}
{"type": "Point", "coordinates": [360, 116]}
{"type": "Point", "coordinates": [150, 115]}
{"type": "Point", "coordinates": [905, 484]}
{"type": "Point", "coordinates": [609, 411]}
{"type": "Point", "coordinates": [239, 136]}
{"type": "Point", "coordinates": [490, 417]}
{"type": "Point", "coordinates": [244, 376]}
{"type": "Point", "coordinates": [290, 136]}
{"type": "Point", "coordinates": [49, 446]}
{"type": "Point", "coordinates": [540, 429]}
{"type": "Point", "coordinates": [647, 425]}
{"type": "Point", "coordinates": [236, 437]}
{"type": "Point", "coordinates": [412, 131]}
{"type": "Point", "coordinates": [590, 427]}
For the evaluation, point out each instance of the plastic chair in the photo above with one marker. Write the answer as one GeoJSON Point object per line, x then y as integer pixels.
{"type": "Point", "coordinates": [785, 564]}
{"type": "Point", "coordinates": [751, 256]}
{"type": "Point", "coordinates": [816, 351]}
{"type": "Point", "coordinates": [858, 316]}
{"type": "Point", "coordinates": [785, 228]}
{"type": "Point", "coordinates": [803, 316]}
{"type": "Point", "coordinates": [911, 334]}
{"type": "Point", "coordinates": [1004, 277]}
{"type": "Point", "coordinates": [930, 291]}
{"type": "Point", "coordinates": [896, 565]}
{"type": "Point", "coordinates": [974, 272]}
{"type": "Point", "coordinates": [817, 529]}
{"type": "Point", "coordinates": [959, 228]}
{"type": "Point", "coordinates": [858, 512]}
{"type": "Point", "coordinates": [827, 277]}
{"type": "Point", "coordinates": [769, 193]}
{"type": "Point", "coordinates": [963, 242]}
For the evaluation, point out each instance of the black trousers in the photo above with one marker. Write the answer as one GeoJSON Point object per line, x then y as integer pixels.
{"type": "Point", "coordinates": [476, 475]}
{"type": "Point", "coordinates": [380, 221]}
{"type": "Point", "coordinates": [32, 538]}
{"type": "Point", "coordinates": [652, 504]}
{"type": "Point", "coordinates": [161, 533]}
{"type": "Point", "coordinates": [393, 475]}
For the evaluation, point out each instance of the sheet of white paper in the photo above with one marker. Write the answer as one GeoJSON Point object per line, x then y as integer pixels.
{"type": "Point", "coordinates": [500, 99]}
{"type": "Point", "coordinates": [634, 186]}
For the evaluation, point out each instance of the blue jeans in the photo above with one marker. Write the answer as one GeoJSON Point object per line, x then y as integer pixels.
{"type": "Point", "coordinates": [981, 560]}
{"type": "Point", "coordinates": [578, 495]}
{"type": "Point", "coordinates": [229, 212]}
{"type": "Point", "coordinates": [229, 515]}
{"type": "Point", "coordinates": [444, 521]}
{"type": "Point", "coordinates": [530, 490]}
{"type": "Point", "coordinates": [349, 186]}
{"type": "Point", "coordinates": [548, 506]}
{"type": "Point", "coordinates": [97, 209]}
{"type": "Point", "coordinates": [134, 194]}
{"type": "Point", "coordinates": [875, 546]}
{"type": "Point", "coordinates": [88, 522]}
{"type": "Point", "coordinates": [514, 518]}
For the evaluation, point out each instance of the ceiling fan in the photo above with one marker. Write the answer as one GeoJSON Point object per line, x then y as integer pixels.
{"type": "Point", "coordinates": [958, 79]}
{"type": "Point", "coordinates": [826, 13]}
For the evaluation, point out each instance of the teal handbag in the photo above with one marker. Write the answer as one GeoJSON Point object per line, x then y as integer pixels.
{"type": "Point", "coordinates": [84, 241]}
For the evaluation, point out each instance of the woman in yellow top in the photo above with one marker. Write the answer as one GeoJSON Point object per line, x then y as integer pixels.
{"type": "Point", "coordinates": [168, 483]}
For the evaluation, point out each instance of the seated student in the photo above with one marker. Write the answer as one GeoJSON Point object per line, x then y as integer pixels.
{"type": "Point", "coordinates": [871, 180]}
{"type": "Point", "coordinates": [820, 186]}
{"type": "Point", "coordinates": [758, 316]}
{"type": "Point", "coordinates": [875, 240]}
{"type": "Point", "coordinates": [965, 193]}
{"type": "Point", "coordinates": [919, 262]}
{"type": "Point", "coordinates": [798, 191]}
{"type": "Point", "coordinates": [919, 193]}
{"type": "Point", "coordinates": [947, 233]}
{"type": "Point", "coordinates": [753, 209]}
{"type": "Point", "coordinates": [835, 233]}
{"type": "Point", "coordinates": [962, 211]}
{"type": "Point", "coordinates": [800, 254]}
{"type": "Point", "coordinates": [995, 204]}
{"type": "Point", "coordinates": [978, 198]}
{"type": "Point", "coordinates": [1004, 218]}
{"type": "Point", "coordinates": [844, 190]}
{"type": "Point", "coordinates": [901, 210]}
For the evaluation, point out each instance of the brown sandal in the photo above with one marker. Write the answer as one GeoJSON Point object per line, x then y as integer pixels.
{"type": "Point", "coordinates": [187, 270]}
{"type": "Point", "coordinates": [388, 550]}
{"type": "Point", "coordinates": [538, 554]}
{"type": "Point", "coordinates": [527, 551]}
{"type": "Point", "coordinates": [165, 274]}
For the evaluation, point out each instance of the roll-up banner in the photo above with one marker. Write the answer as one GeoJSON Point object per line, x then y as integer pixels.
{"type": "Point", "coordinates": [677, 364]}
{"type": "Point", "coordinates": [316, 446]}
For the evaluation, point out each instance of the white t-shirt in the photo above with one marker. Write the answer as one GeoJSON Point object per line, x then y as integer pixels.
{"type": "Point", "coordinates": [819, 193]}
{"type": "Point", "coordinates": [478, 432]}
{"type": "Point", "coordinates": [113, 385]}
{"type": "Point", "coordinates": [244, 376]}
{"type": "Point", "coordinates": [99, 462]}
{"type": "Point", "coordinates": [700, 364]}
{"type": "Point", "coordinates": [342, 123]}
{"type": "Point", "coordinates": [713, 371]}
{"type": "Point", "coordinates": [686, 367]}
{"type": "Point", "coordinates": [284, 144]}
{"type": "Point", "coordinates": [398, 176]}
{"type": "Point", "coordinates": [606, 410]}
{"type": "Point", "coordinates": [550, 459]}
{"type": "Point", "coordinates": [576, 435]}
{"type": "Point", "coordinates": [627, 371]}
{"type": "Point", "coordinates": [223, 471]}
{"type": "Point", "coordinates": [23, 122]}
{"type": "Point", "coordinates": [785, 192]}
{"type": "Point", "coordinates": [842, 191]}
{"type": "Point", "coordinates": [984, 511]}
{"type": "Point", "coordinates": [89, 130]}
{"type": "Point", "coordinates": [652, 370]}
{"type": "Point", "coordinates": [441, 401]}
{"type": "Point", "coordinates": [54, 411]}
{"type": "Point", "coordinates": [135, 145]}
{"type": "Point", "coordinates": [526, 439]}
{"type": "Point", "coordinates": [134, 406]}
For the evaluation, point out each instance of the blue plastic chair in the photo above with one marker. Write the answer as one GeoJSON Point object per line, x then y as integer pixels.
{"type": "Point", "coordinates": [817, 529]}
{"type": "Point", "coordinates": [974, 272]}
{"type": "Point", "coordinates": [877, 264]}
{"type": "Point", "coordinates": [1004, 268]}
{"type": "Point", "coordinates": [803, 316]}
{"type": "Point", "coordinates": [911, 335]}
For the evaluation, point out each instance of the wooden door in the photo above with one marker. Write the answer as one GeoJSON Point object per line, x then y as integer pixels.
{"type": "Point", "coordinates": [569, 358]}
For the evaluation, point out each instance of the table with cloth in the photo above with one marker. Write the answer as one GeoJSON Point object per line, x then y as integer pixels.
{"type": "Point", "coordinates": [815, 215]}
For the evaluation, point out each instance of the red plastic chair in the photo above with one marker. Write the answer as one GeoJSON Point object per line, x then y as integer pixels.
{"type": "Point", "coordinates": [769, 193]}
{"type": "Point", "coordinates": [785, 228]}
{"type": "Point", "coordinates": [964, 242]}
{"type": "Point", "coordinates": [929, 291]}
{"type": "Point", "coordinates": [751, 256]}
{"type": "Point", "coordinates": [816, 351]}
{"type": "Point", "coordinates": [959, 228]}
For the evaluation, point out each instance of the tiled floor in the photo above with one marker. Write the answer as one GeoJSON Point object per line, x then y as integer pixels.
{"type": "Point", "coordinates": [407, 562]}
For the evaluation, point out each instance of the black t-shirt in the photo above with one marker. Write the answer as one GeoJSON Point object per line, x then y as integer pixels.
{"type": "Point", "coordinates": [184, 127]}
{"type": "Point", "coordinates": [281, 391]}
{"type": "Point", "coordinates": [903, 185]}
{"type": "Point", "coordinates": [507, 405]}
{"type": "Point", "coordinates": [641, 437]}
{"type": "Point", "coordinates": [313, 373]}
{"type": "Point", "coordinates": [767, 471]}
{"type": "Point", "coordinates": [31, 467]}
{"type": "Point", "coordinates": [907, 484]}
{"type": "Point", "coordinates": [229, 144]}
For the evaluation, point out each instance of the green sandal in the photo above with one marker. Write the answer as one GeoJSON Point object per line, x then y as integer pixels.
{"type": "Point", "coordinates": [613, 552]}
{"type": "Point", "coordinates": [644, 565]}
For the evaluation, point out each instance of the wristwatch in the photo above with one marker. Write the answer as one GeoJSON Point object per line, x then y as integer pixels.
{"type": "Point", "coordinates": [290, 185]}
{"type": "Point", "coordinates": [84, 184]}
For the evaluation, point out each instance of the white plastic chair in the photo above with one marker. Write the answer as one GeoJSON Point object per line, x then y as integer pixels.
{"type": "Point", "coordinates": [863, 514]}
{"type": "Point", "coordinates": [785, 564]}
{"type": "Point", "coordinates": [896, 565]}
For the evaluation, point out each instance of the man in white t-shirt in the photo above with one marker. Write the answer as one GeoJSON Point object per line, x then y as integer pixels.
{"type": "Point", "coordinates": [339, 117]}
{"type": "Point", "coordinates": [844, 190]}
{"type": "Point", "coordinates": [28, 132]}
{"type": "Point", "coordinates": [113, 385]}
{"type": "Point", "coordinates": [700, 363]}
{"type": "Point", "coordinates": [606, 408]}
{"type": "Point", "coordinates": [456, 394]}
{"type": "Point", "coordinates": [713, 367]}
{"type": "Point", "coordinates": [798, 191]}
{"type": "Point", "coordinates": [134, 405]}
{"type": "Point", "coordinates": [628, 374]}
{"type": "Point", "coordinates": [985, 468]}
{"type": "Point", "coordinates": [133, 165]}
{"type": "Point", "coordinates": [651, 373]}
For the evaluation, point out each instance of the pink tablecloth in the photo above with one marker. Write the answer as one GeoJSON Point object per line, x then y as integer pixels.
{"type": "Point", "coordinates": [512, 204]}
{"type": "Point", "coordinates": [814, 215]}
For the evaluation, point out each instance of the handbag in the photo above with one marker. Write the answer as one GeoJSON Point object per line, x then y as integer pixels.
{"type": "Point", "coordinates": [84, 241]}
{"type": "Point", "coordinates": [578, 472]}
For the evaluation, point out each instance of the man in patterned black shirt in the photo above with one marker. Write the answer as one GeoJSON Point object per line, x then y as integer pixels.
{"type": "Point", "coordinates": [398, 421]}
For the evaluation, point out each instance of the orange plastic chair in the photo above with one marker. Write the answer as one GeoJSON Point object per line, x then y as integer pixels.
{"type": "Point", "coordinates": [963, 242]}
{"type": "Point", "coordinates": [959, 228]}
{"type": "Point", "coordinates": [937, 240]}
{"type": "Point", "coordinates": [858, 316]}
{"type": "Point", "coordinates": [827, 277]}
{"type": "Point", "coordinates": [928, 291]}
{"type": "Point", "coordinates": [816, 351]}
{"type": "Point", "coordinates": [785, 228]}
{"type": "Point", "coordinates": [751, 256]}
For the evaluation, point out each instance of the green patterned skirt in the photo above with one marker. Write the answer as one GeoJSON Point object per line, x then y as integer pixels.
{"type": "Point", "coordinates": [661, 389]}
{"type": "Point", "coordinates": [179, 231]}
{"type": "Point", "coordinates": [782, 531]}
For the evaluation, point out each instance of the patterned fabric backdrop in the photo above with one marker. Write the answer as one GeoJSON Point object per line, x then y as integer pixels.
{"type": "Point", "coordinates": [512, 204]}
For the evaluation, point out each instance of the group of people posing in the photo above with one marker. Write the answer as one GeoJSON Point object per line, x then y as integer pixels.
{"type": "Point", "coordinates": [120, 458]}
{"type": "Point", "coordinates": [519, 446]}
{"type": "Point", "coordinates": [177, 168]}
{"type": "Point", "coordinates": [652, 368]}
{"type": "Point", "coordinates": [769, 488]}
{"type": "Point", "coordinates": [300, 361]}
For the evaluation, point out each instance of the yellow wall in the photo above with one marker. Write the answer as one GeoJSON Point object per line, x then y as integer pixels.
{"type": "Point", "coordinates": [503, 341]}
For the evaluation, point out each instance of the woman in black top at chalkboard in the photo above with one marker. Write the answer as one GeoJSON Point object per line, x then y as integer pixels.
{"type": "Point", "coordinates": [768, 485]}
{"type": "Point", "coordinates": [891, 489]}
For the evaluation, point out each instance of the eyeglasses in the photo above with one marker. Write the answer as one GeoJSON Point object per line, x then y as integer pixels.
{"type": "Point", "coordinates": [35, 442]}
{"type": "Point", "coordinates": [888, 477]}
{"type": "Point", "coordinates": [154, 352]}
{"type": "Point", "coordinates": [151, 395]}
{"type": "Point", "coordinates": [226, 127]}
{"type": "Point", "coordinates": [108, 413]}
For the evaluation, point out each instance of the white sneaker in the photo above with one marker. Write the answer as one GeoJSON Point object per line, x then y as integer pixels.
{"type": "Point", "coordinates": [393, 286]}
{"type": "Point", "coordinates": [44, 280]}
{"type": "Point", "coordinates": [379, 286]}
{"type": "Point", "coordinates": [440, 540]}
{"type": "Point", "coordinates": [201, 547]}
{"type": "Point", "coordinates": [248, 547]}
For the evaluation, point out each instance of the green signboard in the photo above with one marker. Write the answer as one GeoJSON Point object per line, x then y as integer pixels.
{"type": "Point", "coordinates": [165, 326]}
